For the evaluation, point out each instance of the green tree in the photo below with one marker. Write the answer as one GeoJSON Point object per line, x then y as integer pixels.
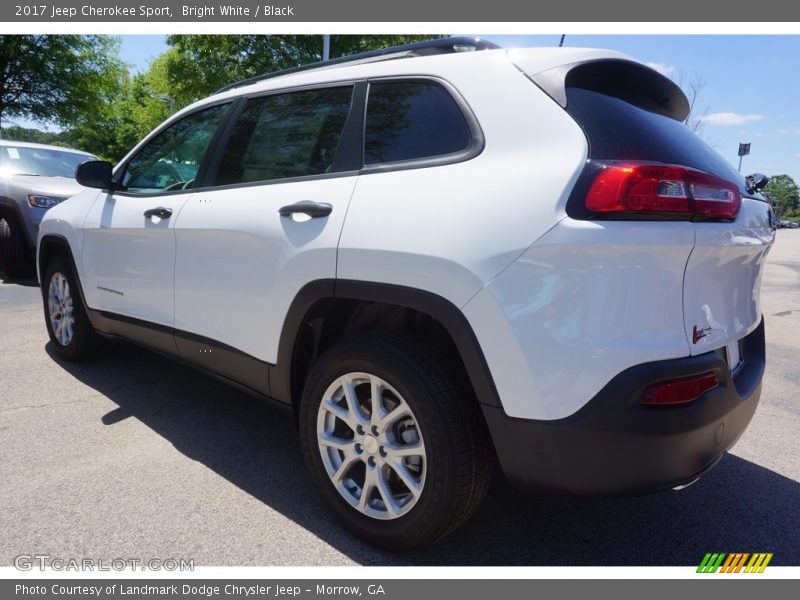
{"type": "Point", "coordinates": [106, 111]}
{"type": "Point", "coordinates": [57, 78]}
{"type": "Point", "coordinates": [784, 195]}
{"type": "Point", "coordinates": [193, 67]}
{"type": "Point", "coordinates": [28, 134]}
{"type": "Point", "coordinates": [122, 120]}
{"type": "Point", "coordinates": [197, 65]}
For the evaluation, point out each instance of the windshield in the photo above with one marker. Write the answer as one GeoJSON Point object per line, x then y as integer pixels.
{"type": "Point", "coordinates": [45, 162]}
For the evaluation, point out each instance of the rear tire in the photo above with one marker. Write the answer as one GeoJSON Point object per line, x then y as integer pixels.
{"type": "Point", "coordinates": [14, 255]}
{"type": "Point", "coordinates": [68, 326]}
{"type": "Point", "coordinates": [429, 454]}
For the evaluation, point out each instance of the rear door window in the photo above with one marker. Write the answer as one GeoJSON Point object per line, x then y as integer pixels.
{"type": "Point", "coordinates": [287, 135]}
{"type": "Point", "coordinates": [408, 120]}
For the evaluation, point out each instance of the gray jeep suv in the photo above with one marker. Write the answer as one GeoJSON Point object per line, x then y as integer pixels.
{"type": "Point", "coordinates": [33, 178]}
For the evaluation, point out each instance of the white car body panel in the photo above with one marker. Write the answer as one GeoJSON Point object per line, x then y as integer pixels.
{"type": "Point", "coordinates": [532, 61]}
{"type": "Point", "coordinates": [128, 259]}
{"type": "Point", "coordinates": [722, 288]}
{"type": "Point", "coordinates": [587, 301]}
{"type": "Point", "coordinates": [66, 221]}
{"type": "Point", "coordinates": [401, 224]}
{"type": "Point", "coordinates": [234, 242]}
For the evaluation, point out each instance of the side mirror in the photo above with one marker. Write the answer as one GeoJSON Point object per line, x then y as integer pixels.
{"type": "Point", "coordinates": [756, 182]}
{"type": "Point", "coordinates": [95, 174]}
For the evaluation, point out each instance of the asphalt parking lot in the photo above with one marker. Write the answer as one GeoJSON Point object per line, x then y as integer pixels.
{"type": "Point", "coordinates": [136, 456]}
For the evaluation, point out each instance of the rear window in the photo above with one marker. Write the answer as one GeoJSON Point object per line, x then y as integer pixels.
{"type": "Point", "coordinates": [618, 130]}
{"type": "Point", "coordinates": [412, 120]}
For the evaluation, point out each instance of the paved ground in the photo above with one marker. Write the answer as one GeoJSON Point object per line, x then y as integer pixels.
{"type": "Point", "coordinates": [135, 456]}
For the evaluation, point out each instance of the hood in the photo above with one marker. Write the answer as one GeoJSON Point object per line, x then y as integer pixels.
{"type": "Point", "coordinates": [46, 186]}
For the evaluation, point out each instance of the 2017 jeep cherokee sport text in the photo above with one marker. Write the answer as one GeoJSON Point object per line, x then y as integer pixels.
{"type": "Point", "coordinates": [438, 262]}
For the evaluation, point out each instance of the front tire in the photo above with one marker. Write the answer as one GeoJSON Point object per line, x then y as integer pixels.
{"type": "Point", "coordinates": [14, 255]}
{"type": "Point", "coordinates": [67, 323]}
{"type": "Point", "coordinates": [396, 447]}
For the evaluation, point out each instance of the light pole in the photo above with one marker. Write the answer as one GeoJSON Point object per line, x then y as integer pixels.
{"type": "Point", "coordinates": [326, 48]}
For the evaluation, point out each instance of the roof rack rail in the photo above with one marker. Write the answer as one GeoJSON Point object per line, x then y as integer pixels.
{"type": "Point", "coordinates": [448, 45]}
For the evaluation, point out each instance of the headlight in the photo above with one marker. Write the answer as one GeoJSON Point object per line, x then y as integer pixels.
{"type": "Point", "coordinates": [44, 201]}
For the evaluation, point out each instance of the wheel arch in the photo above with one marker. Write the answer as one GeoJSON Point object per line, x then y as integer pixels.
{"type": "Point", "coordinates": [50, 246]}
{"type": "Point", "coordinates": [9, 208]}
{"type": "Point", "coordinates": [337, 301]}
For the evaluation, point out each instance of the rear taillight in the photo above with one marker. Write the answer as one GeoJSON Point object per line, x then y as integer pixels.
{"type": "Point", "coordinates": [666, 189]}
{"type": "Point", "coordinates": [679, 391]}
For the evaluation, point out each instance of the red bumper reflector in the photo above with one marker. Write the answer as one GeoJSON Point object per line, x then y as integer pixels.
{"type": "Point", "coordinates": [679, 391]}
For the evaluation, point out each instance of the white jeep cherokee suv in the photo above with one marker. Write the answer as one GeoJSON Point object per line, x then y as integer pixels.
{"type": "Point", "coordinates": [437, 261]}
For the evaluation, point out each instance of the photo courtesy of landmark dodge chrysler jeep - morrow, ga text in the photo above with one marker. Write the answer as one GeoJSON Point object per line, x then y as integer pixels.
{"type": "Point", "coordinates": [441, 261]}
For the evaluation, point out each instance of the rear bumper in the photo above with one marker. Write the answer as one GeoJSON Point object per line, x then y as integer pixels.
{"type": "Point", "coordinates": [615, 446]}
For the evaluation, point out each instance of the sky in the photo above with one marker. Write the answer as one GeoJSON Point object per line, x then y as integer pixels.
{"type": "Point", "coordinates": [751, 92]}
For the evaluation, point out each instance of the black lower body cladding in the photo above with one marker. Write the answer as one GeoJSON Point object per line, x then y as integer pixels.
{"type": "Point", "coordinates": [616, 446]}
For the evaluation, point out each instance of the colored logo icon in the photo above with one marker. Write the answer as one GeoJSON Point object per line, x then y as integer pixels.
{"type": "Point", "coordinates": [734, 562]}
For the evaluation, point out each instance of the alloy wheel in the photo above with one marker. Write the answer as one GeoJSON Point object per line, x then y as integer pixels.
{"type": "Point", "coordinates": [371, 446]}
{"type": "Point", "coordinates": [59, 304]}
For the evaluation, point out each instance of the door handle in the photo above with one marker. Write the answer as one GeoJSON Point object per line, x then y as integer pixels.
{"type": "Point", "coordinates": [307, 207]}
{"type": "Point", "coordinates": [160, 212]}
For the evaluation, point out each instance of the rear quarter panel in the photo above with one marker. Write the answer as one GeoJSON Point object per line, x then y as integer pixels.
{"type": "Point", "coordinates": [722, 288]}
{"type": "Point", "coordinates": [450, 229]}
{"type": "Point", "coordinates": [587, 301]}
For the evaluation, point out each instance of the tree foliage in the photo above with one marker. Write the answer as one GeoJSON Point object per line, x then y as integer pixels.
{"type": "Point", "coordinates": [56, 78]}
{"type": "Point", "coordinates": [693, 86]}
{"type": "Point", "coordinates": [81, 84]}
{"type": "Point", "coordinates": [37, 136]}
{"type": "Point", "coordinates": [142, 104]}
{"type": "Point", "coordinates": [784, 195]}
{"type": "Point", "coordinates": [198, 65]}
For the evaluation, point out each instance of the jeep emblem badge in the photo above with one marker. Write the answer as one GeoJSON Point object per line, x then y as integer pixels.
{"type": "Point", "coordinates": [699, 334]}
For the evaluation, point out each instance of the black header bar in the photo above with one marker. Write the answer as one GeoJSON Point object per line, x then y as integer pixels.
{"type": "Point", "coordinates": [420, 11]}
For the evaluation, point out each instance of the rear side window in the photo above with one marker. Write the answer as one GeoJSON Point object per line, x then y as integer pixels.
{"type": "Point", "coordinates": [409, 120]}
{"type": "Point", "coordinates": [286, 135]}
{"type": "Point", "coordinates": [618, 130]}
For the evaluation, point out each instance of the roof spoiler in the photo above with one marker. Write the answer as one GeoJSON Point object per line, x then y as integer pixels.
{"type": "Point", "coordinates": [627, 80]}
